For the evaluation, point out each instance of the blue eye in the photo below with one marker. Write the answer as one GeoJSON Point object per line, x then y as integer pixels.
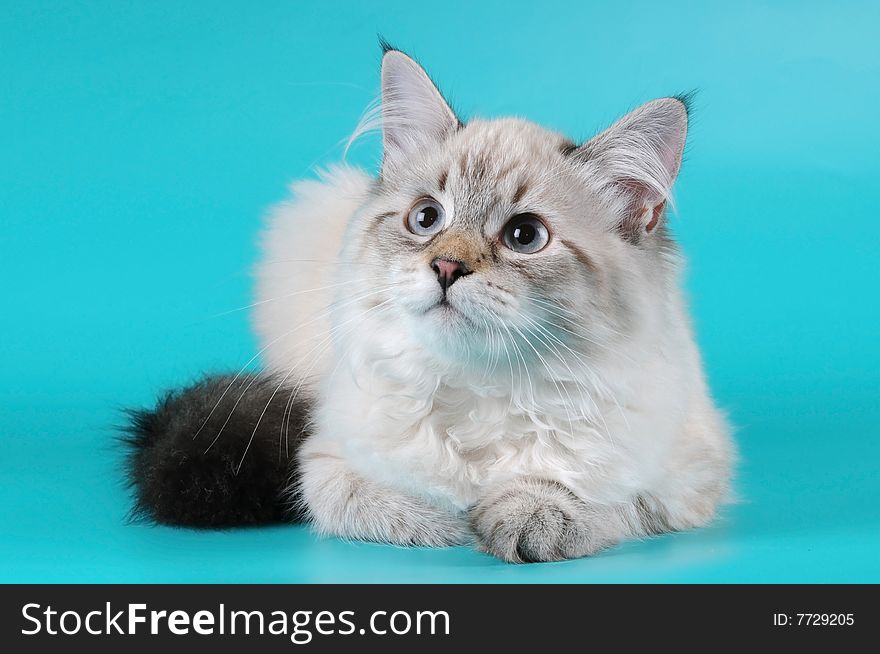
{"type": "Point", "coordinates": [426, 217]}
{"type": "Point", "coordinates": [526, 233]}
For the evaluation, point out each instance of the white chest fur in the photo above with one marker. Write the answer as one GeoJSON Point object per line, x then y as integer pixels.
{"type": "Point", "coordinates": [398, 416]}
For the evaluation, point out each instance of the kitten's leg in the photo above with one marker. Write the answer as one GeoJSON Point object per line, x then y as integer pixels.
{"type": "Point", "coordinates": [340, 502]}
{"type": "Point", "coordinates": [530, 519]}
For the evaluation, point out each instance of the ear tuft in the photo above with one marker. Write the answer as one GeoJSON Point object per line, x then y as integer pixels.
{"type": "Point", "coordinates": [386, 45]}
{"type": "Point", "coordinates": [687, 99]}
{"type": "Point", "coordinates": [637, 160]}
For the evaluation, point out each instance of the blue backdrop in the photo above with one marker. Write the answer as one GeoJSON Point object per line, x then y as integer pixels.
{"type": "Point", "coordinates": [140, 143]}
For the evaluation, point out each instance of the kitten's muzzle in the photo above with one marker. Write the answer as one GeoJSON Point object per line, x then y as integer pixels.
{"type": "Point", "coordinates": [449, 271]}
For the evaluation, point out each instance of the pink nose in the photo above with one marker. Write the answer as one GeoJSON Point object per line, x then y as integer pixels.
{"type": "Point", "coordinates": [448, 271]}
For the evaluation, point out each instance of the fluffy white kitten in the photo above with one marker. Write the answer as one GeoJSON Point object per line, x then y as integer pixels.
{"type": "Point", "coordinates": [495, 335]}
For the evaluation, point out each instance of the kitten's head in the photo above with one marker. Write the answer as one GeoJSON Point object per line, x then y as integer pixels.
{"type": "Point", "coordinates": [502, 238]}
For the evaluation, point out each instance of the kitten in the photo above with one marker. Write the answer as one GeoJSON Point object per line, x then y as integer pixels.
{"type": "Point", "coordinates": [486, 343]}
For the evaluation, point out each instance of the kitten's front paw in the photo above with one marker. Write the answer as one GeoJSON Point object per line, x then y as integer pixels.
{"type": "Point", "coordinates": [340, 502]}
{"type": "Point", "coordinates": [534, 520]}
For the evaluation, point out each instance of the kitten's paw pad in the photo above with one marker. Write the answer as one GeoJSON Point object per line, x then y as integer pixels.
{"type": "Point", "coordinates": [526, 528]}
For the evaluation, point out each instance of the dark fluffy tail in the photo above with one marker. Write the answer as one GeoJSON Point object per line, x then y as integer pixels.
{"type": "Point", "coordinates": [219, 453]}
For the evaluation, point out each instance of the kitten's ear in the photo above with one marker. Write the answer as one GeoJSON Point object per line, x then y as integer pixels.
{"type": "Point", "coordinates": [637, 159]}
{"type": "Point", "coordinates": [414, 113]}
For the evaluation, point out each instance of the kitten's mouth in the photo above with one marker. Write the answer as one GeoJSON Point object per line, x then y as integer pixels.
{"type": "Point", "coordinates": [448, 312]}
{"type": "Point", "coordinates": [444, 306]}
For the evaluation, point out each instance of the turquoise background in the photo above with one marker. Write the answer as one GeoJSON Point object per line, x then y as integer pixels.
{"type": "Point", "coordinates": [140, 143]}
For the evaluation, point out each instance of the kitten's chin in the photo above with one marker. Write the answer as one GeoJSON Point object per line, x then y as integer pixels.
{"type": "Point", "coordinates": [445, 322]}
{"type": "Point", "coordinates": [452, 337]}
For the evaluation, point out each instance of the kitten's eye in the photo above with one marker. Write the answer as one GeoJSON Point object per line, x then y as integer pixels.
{"type": "Point", "coordinates": [526, 233]}
{"type": "Point", "coordinates": [426, 217]}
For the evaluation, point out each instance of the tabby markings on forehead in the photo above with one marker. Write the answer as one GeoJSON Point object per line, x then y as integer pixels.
{"type": "Point", "coordinates": [581, 256]}
{"type": "Point", "coordinates": [378, 220]}
{"type": "Point", "coordinates": [520, 192]}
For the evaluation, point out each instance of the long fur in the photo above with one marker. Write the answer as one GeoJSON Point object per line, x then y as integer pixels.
{"type": "Point", "coordinates": [546, 406]}
{"type": "Point", "coordinates": [218, 453]}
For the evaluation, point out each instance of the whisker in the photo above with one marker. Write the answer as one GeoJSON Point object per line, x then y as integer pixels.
{"type": "Point", "coordinates": [263, 349]}
{"type": "Point", "coordinates": [288, 295]}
